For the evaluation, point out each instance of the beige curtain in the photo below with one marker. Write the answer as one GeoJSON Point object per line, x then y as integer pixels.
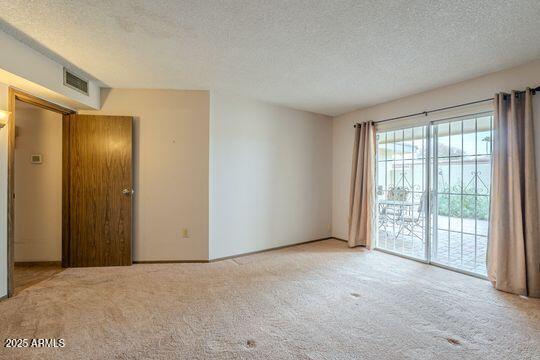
{"type": "Point", "coordinates": [361, 200]}
{"type": "Point", "coordinates": [514, 245]}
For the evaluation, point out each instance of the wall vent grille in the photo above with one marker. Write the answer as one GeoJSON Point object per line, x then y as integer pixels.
{"type": "Point", "coordinates": [74, 82]}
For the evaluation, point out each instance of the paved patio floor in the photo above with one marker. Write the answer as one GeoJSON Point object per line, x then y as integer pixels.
{"type": "Point", "coordinates": [461, 244]}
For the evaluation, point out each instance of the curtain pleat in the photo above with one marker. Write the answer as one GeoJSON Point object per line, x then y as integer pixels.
{"type": "Point", "coordinates": [513, 255]}
{"type": "Point", "coordinates": [361, 200]}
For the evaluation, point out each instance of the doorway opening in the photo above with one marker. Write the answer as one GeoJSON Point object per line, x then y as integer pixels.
{"type": "Point", "coordinates": [96, 188]}
{"type": "Point", "coordinates": [433, 192]}
{"type": "Point", "coordinates": [35, 217]}
{"type": "Point", "coordinates": [38, 204]}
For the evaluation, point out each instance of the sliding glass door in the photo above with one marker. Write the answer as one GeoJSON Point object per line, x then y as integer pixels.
{"type": "Point", "coordinates": [433, 192]}
{"type": "Point", "coordinates": [461, 182]}
{"type": "Point", "coordinates": [402, 184]}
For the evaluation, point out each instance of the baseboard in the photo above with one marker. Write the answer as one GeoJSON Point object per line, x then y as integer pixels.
{"type": "Point", "coordinates": [232, 256]}
{"type": "Point", "coordinates": [2, 298]}
{"type": "Point", "coordinates": [270, 249]}
{"type": "Point", "coordinates": [59, 263]}
{"type": "Point", "coordinates": [38, 263]}
{"type": "Point", "coordinates": [172, 262]}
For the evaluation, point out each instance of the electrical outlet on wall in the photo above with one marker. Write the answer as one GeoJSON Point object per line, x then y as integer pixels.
{"type": "Point", "coordinates": [185, 233]}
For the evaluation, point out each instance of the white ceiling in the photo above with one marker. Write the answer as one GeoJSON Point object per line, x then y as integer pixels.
{"type": "Point", "coordinates": [323, 56]}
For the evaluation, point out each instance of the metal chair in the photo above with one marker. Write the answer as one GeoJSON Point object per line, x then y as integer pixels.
{"type": "Point", "coordinates": [392, 214]}
{"type": "Point", "coordinates": [412, 221]}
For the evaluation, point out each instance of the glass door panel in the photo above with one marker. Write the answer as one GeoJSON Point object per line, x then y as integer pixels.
{"type": "Point", "coordinates": [402, 191]}
{"type": "Point", "coordinates": [461, 185]}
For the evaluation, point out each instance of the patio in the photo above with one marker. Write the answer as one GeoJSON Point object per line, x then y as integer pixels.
{"type": "Point", "coordinates": [455, 245]}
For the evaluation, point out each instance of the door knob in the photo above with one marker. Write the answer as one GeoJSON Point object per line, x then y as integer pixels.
{"type": "Point", "coordinates": [127, 192]}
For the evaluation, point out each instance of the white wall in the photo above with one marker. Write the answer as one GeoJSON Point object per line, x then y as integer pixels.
{"type": "Point", "coordinates": [171, 131]}
{"type": "Point", "coordinates": [475, 89]}
{"type": "Point", "coordinates": [3, 196]}
{"type": "Point", "coordinates": [270, 175]}
{"type": "Point", "coordinates": [38, 204]}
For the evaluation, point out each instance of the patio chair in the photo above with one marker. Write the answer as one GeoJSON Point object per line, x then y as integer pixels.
{"type": "Point", "coordinates": [411, 221]}
{"type": "Point", "coordinates": [389, 215]}
{"type": "Point", "coordinates": [392, 214]}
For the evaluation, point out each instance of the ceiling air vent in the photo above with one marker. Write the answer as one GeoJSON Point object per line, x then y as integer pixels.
{"type": "Point", "coordinates": [76, 83]}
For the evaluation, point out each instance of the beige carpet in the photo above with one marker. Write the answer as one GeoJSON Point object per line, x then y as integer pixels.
{"type": "Point", "coordinates": [315, 301]}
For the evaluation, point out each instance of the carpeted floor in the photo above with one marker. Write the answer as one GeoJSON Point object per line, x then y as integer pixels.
{"type": "Point", "coordinates": [314, 301]}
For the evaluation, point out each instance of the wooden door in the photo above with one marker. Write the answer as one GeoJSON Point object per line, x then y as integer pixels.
{"type": "Point", "coordinates": [97, 190]}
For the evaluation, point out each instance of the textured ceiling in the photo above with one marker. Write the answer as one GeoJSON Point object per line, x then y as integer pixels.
{"type": "Point", "coordinates": [323, 56]}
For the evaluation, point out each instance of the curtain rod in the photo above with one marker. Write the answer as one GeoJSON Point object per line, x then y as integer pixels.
{"type": "Point", "coordinates": [427, 112]}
